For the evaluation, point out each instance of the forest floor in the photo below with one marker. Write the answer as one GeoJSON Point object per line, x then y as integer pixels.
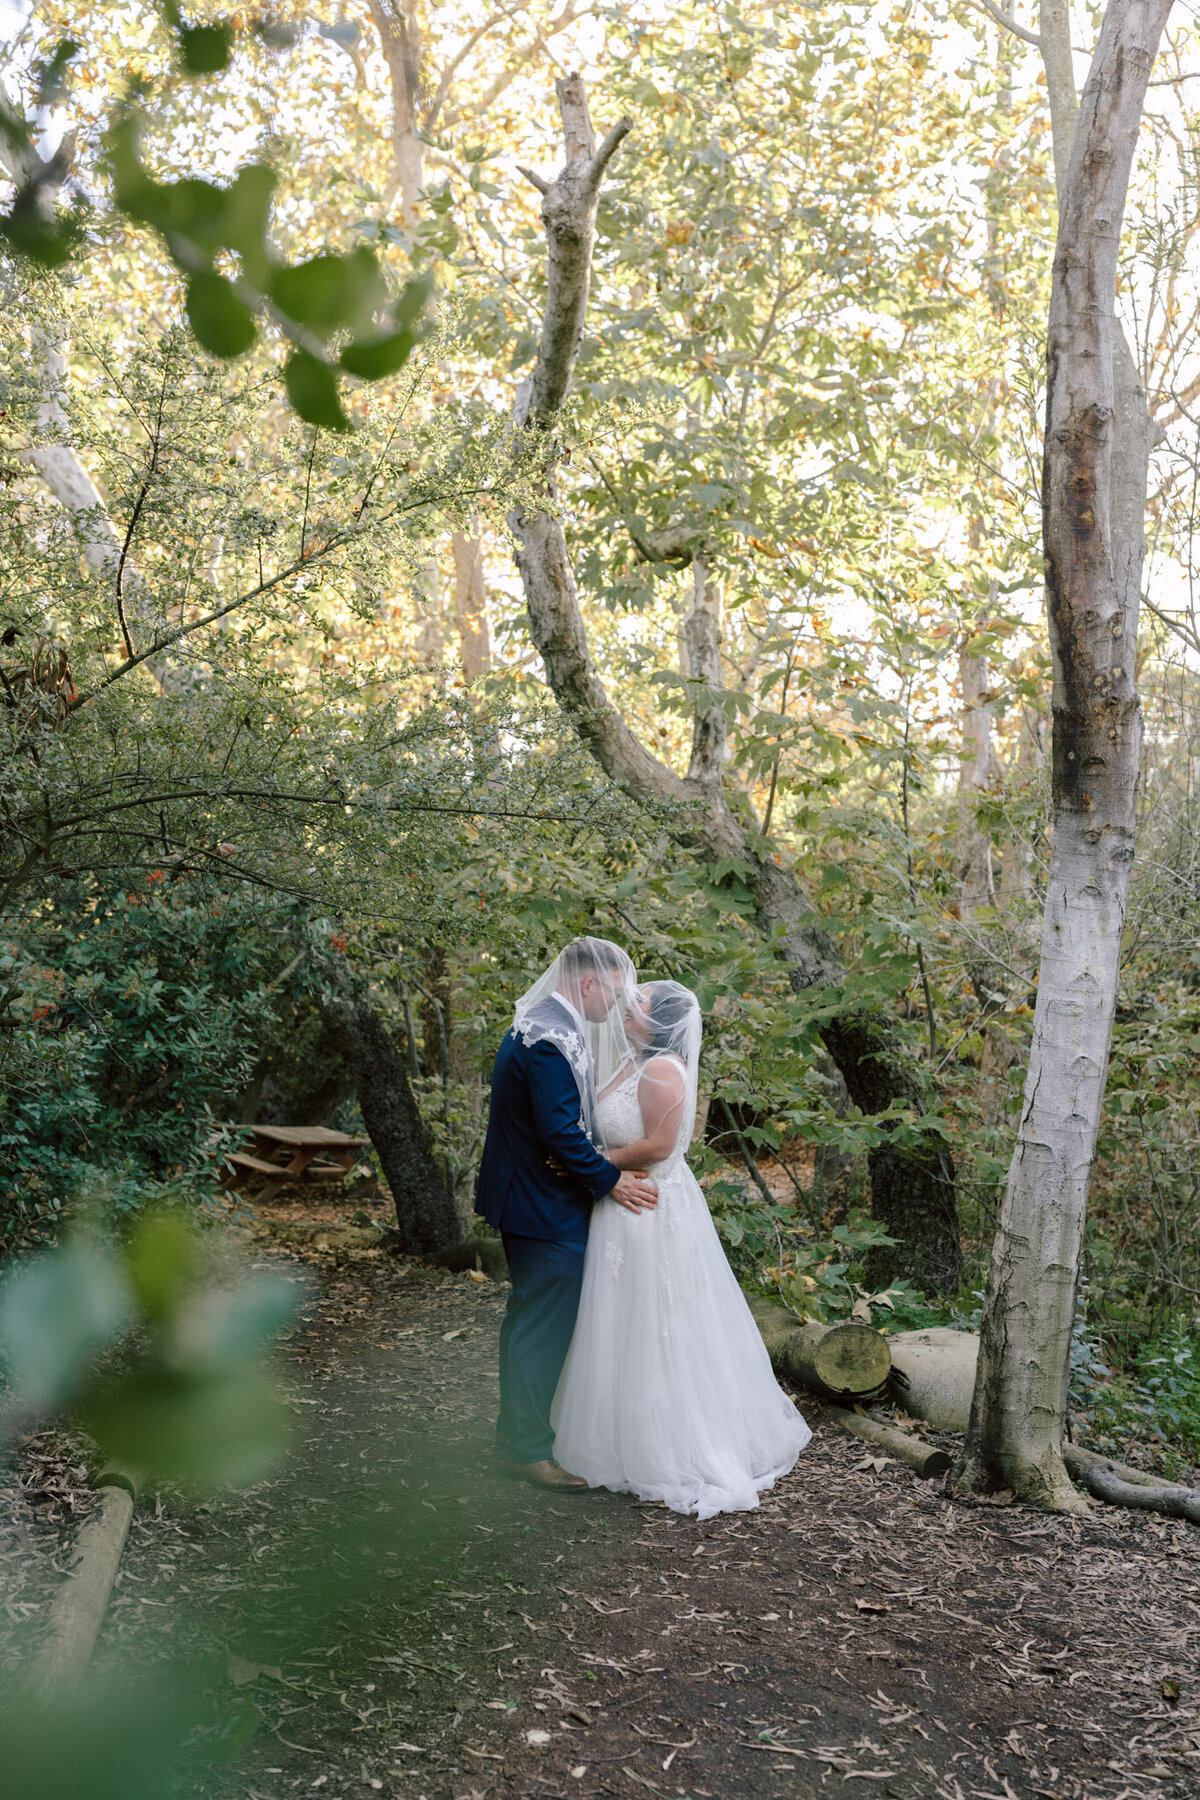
{"type": "Point", "coordinates": [391, 1614]}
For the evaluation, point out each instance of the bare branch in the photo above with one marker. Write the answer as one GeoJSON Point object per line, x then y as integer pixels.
{"type": "Point", "coordinates": [986, 9]}
{"type": "Point", "coordinates": [613, 139]}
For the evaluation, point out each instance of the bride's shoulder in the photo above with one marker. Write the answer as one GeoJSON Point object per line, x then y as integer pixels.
{"type": "Point", "coordinates": [663, 1069]}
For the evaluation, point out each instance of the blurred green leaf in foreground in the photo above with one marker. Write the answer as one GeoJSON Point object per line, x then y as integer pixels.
{"type": "Point", "coordinates": [156, 1346]}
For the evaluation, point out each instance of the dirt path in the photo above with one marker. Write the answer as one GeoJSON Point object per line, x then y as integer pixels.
{"type": "Point", "coordinates": [406, 1621]}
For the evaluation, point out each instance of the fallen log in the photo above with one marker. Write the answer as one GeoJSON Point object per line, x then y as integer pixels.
{"type": "Point", "coordinates": [927, 1460]}
{"type": "Point", "coordinates": [846, 1361]}
{"type": "Point", "coordinates": [1124, 1471]}
{"type": "Point", "coordinates": [1131, 1487]}
{"type": "Point", "coordinates": [933, 1375]}
{"type": "Point", "coordinates": [78, 1608]}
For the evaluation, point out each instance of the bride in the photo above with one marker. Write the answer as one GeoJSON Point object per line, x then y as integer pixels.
{"type": "Point", "coordinates": [667, 1390]}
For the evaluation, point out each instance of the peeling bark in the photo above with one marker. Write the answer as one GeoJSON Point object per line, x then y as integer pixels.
{"type": "Point", "coordinates": [1092, 535]}
{"type": "Point", "coordinates": [913, 1193]}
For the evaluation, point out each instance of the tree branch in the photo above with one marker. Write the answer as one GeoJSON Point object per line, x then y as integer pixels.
{"type": "Point", "coordinates": [913, 1190]}
{"type": "Point", "coordinates": [986, 9]}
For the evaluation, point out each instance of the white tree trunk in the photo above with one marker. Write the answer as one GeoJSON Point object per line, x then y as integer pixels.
{"type": "Point", "coordinates": [400, 40]}
{"type": "Point", "coordinates": [102, 545]}
{"type": "Point", "coordinates": [702, 635]}
{"type": "Point", "coordinates": [1093, 557]}
{"type": "Point", "coordinates": [470, 606]}
{"type": "Point", "coordinates": [977, 774]}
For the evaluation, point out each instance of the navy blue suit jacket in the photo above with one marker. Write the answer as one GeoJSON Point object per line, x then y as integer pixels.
{"type": "Point", "coordinates": [535, 1114]}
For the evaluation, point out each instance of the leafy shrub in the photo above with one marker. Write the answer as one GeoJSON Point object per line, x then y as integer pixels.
{"type": "Point", "coordinates": [155, 1344]}
{"type": "Point", "coordinates": [1158, 1400]}
{"type": "Point", "coordinates": [819, 1273]}
{"type": "Point", "coordinates": [131, 1018]}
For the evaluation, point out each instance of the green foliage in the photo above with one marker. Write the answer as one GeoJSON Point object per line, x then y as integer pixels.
{"type": "Point", "coordinates": [132, 1016]}
{"type": "Point", "coordinates": [819, 1273]}
{"type": "Point", "coordinates": [203, 49]}
{"type": "Point", "coordinates": [315, 301]}
{"type": "Point", "coordinates": [1157, 1401]}
{"type": "Point", "coordinates": [114, 1740]}
{"type": "Point", "coordinates": [337, 309]}
{"type": "Point", "coordinates": [151, 1346]}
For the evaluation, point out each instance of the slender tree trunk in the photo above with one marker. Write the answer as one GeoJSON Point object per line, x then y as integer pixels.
{"type": "Point", "coordinates": [427, 600]}
{"type": "Point", "coordinates": [400, 40]}
{"type": "Point", "coordinates": [976, 779]}
{"type": "Point", "coordinates": [1093, 561]}
{"type": "Point", "coordinates": [913, 1189]}
{"type": "Point", "coordinates": [100, 541]}
{"type": "Point", "coordinates": [426, 1216]}
{"type": "Point", "coordinates": [1134, 431]}
{"type": "Point", "coordinates": [435, 1014]}
{"type": "Point", "coordinates": [1016, 868]}
{"type": "Point", "coordinates": [702, 636]}
{"type": "Point", "coordinates": [470, 606]}
{"type": "Point", "coordinates": [980, 768]}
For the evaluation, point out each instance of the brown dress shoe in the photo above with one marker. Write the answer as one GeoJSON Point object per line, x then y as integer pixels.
{"type": "Point", "coordinates": [547, 1474]}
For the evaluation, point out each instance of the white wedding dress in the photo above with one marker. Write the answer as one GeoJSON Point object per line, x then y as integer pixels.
{"type": "Point", "coordinates": [667, 1391]}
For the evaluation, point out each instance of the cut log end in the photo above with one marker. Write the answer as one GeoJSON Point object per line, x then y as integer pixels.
{"type": "Point", "coordinates": [847, 1361]}
{"type": "Point", "coordinates": [851, 1359]}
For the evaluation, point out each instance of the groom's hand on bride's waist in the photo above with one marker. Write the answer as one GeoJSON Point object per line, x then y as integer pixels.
{"type": "Point", "coordinates": [636, 1191]}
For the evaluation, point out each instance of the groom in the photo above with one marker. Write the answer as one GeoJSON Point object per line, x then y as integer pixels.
{"type": "Point", "coordinates": [538, 1177]}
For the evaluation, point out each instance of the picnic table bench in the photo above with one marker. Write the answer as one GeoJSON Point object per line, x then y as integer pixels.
{"type": "Point", "coordinates": [284, 1153]}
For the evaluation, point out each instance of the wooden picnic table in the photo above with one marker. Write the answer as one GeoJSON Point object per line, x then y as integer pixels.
{"type": "Point", "coordinates": [286, 1153]}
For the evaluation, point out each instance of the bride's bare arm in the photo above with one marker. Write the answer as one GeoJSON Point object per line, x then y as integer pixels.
{"type": "Point", "coordinates": [661, 1093]}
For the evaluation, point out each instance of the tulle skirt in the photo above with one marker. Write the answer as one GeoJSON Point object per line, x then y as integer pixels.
{"type": "Point", "coordinates": [667, 1391]}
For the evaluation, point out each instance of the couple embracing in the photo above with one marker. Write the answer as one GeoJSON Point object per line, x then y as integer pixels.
{"type": "Point", "coordinates": [628, 1356]}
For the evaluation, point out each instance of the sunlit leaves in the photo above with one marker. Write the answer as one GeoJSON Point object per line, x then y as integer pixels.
{"type": "Point", "coordinates": [52, 75]}
{"type": "Point", "coordinates": [195, 217]}
{"type": "Point", "coordinates": [336, 308]}
{"type": "Point", "coordinates": [35, 228]}
{"type": "Point", "coordinates": [36, 224]}
{"type": "Point", "coordinates": [372, 359]}
{"type": "Point", "coordinates": [315, 302]}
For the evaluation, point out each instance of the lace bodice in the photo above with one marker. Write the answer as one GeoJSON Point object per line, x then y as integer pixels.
{"type": "Point", "coordinates": [618, 1115]}
{"type": "Point", "coordinates": [619, 1121]}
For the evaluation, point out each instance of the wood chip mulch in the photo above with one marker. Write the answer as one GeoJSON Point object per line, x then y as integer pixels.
{"type": "Point", "coordinates": [394, 1616]}
{"type": "Point", "coordinates": [44, 1498]}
